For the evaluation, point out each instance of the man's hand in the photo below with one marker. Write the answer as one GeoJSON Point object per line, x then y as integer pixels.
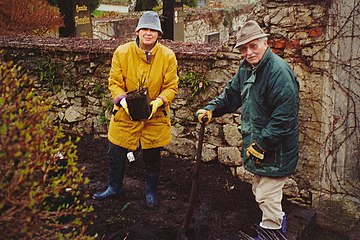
{"type": "Point", "coordinates": [201, 113]}
{"type": "Point", "coordinates": [155, 104]}
{"type": "Point", "coordinates": [255, 152]}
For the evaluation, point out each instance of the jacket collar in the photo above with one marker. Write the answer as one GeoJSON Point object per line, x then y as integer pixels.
{"type": "Point", "coordinates": [146, 56]}
{"type": "Point", "coordinates": [265, 58]}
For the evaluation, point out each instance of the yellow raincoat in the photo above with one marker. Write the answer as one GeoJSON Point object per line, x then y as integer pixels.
{"type": "Point", "coordinates": [129, 66]}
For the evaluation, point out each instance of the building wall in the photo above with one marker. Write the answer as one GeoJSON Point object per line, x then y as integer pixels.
{"type": "Point", "coordinates": [340, 156]}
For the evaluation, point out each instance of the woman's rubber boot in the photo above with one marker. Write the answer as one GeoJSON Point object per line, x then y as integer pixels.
{"type": "Point", "coordinates": [111, 191]}
{"type": "Point", "coordinates": [151, 185]}
{"type": "Point", "coordinates": [116, 162]}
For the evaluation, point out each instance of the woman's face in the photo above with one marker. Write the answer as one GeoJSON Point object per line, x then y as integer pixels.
{"type": "Point", "coordinates": [147, 38]}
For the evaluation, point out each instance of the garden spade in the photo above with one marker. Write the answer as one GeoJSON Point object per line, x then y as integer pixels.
{"type": "Point", "coordinates": [195, 172]}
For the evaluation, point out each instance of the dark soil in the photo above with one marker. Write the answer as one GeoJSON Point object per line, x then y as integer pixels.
{"type": "Point", "coordinates": [138, 104]}
{"type": "Point", "coordinates": [225, 205]}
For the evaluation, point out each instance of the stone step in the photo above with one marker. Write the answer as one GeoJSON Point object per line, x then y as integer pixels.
{"type": "Point", "coordinates": [300, 223]}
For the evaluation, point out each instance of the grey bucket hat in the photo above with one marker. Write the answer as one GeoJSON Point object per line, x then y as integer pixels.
{"type": "Point", "coordinates": [248, 32]}
{"type": "Point", "coordinates": [150, 20]}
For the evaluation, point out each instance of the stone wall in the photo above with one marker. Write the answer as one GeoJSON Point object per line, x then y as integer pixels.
{"type": "Point", "coordinates": [74, 72]}
{"type": "Point", "coordinates": [297, 33]}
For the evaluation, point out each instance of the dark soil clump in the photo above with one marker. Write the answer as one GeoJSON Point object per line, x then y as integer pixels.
{"type": "Point", "coordinates": [138, 104]}
{"type": "Point", "coordinates": [225, 207]}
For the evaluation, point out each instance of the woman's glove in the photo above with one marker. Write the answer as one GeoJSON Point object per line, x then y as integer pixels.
{"type": "Point", "coordinates": [155, 104]}
{"type": "Point", "coordinates": [124, 105]}
{"type": "Point", "coordinates": [201, 113]}
{"type": "Point", "coordinates": [121, 101]}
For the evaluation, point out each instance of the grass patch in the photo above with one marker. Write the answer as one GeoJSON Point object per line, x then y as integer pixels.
{"type": "Point", "coordinates": [115, 2]}
{"type": "Point", "coordinates": [98, 13]}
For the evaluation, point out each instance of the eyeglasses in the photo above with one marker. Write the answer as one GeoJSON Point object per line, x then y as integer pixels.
{"type": "Point", "coordinates": [252, 46]}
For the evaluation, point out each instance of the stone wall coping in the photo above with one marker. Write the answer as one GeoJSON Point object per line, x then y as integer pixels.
{"type": "Point", "coordinates": [183, 49]}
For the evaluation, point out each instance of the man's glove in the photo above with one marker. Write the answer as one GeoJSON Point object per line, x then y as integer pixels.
{"type": "Point", "coordinates": [201, 113]}
{"type": "Point", "coordinates": [255, 152]}
{"type": "Point", "coordinates": [155, 104]}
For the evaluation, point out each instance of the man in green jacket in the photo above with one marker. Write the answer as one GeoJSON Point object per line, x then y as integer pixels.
{"type": "Point", "coordinates": [267, 90]}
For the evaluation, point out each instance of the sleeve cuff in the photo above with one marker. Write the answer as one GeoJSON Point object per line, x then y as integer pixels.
{"type": "Point", "coordinates": [118, 99]}
{"type": "Point", "coordinates": [162, 99]}
{"type": "Point", "coordinates": [261, 145]}
{"type": "Point", "coordinates": [210, 107]}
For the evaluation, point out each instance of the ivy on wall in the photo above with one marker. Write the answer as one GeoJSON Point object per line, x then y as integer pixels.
{"type": "Point", "coordinates": [196, 81]}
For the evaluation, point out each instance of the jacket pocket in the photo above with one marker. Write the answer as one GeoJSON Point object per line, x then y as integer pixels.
{"type": "Point", "coordinates": [162, 115]}
{"type": "Point", "coordinates": [120, 115]}
{"type": "Point", "coordinates": [270, 157]}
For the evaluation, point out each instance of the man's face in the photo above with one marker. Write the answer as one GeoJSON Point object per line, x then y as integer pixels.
{"type": "Point", "coordinates": [147, 38]}
{"type": "Point", "coordinates": [253, 51]}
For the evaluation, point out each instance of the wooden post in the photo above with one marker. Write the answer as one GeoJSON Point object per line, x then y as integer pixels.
{"type": "Point", "coordinates": [173, 20]}
{"type": "Point", "coordinates": [168, 19]}
{"type": "Point", "coordinates": [179, 20]}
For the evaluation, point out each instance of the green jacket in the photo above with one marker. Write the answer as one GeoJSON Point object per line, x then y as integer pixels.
{"type": "Point", "coordinates": [269, 99]}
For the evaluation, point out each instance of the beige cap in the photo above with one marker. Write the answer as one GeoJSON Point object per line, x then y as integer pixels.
{"type": "Point", "coordinates": [248, 32]}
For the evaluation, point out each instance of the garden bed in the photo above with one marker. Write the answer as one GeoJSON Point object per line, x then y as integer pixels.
{"type": "Point", "coordinates": [225, 207]}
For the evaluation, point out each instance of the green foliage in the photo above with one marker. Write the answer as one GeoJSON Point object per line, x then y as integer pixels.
{"type": "Point", "coordinates": [41, 184]}
{"type": "Point", "coordinates": [109, 105]}
{"type": "Point", "coordinates": [145, 5]}
{"type": "Point", "coordinates": [48, 73]}
{"type": "Point", "coordinates": [98, 13]}
{"type": "Point", "coordinates": [191, 3]}
{"type": "Point", "coordinates": [99, 90]}
{"type": "Point", "coordinates": [194, 80]}
{"type": "Point", "coordinates": [94, 4]}
{"type": "Point", "coordinates": [103, 119]}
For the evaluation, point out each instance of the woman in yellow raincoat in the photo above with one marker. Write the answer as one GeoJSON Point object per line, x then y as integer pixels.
{"type": "Point", "coordinates": [144, 63]}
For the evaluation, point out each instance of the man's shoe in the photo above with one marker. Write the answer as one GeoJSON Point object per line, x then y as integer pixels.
{"type": "Point", "coordinates": [283, 225]}
{"type": "Point", "coordinates": [109, 192]}
{"type": "Point", "coordinates": [269, 234]}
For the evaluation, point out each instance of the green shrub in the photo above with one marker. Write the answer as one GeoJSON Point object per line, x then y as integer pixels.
{"type": "Point", "coordinates": [41, 186]}
{"type": "Point", "coordinates": [195, 81]}
{"type": "Point", "coordinates": [104, 118]}
{"type": "Point", "coordinates": [99, 90]}
{"type": "Point", "coordinates": [48, 73]}
{"type": "Point", "coordinates": [191, 3]}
